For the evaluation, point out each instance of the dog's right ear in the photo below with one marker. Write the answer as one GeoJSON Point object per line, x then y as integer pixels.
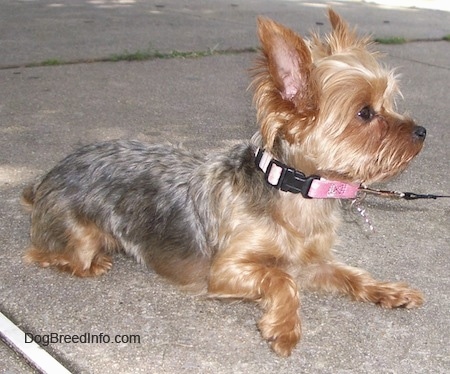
{"type": "Point", "coordinates": [285, 93]}
{"type": "Point", "coordinates": [288, 58]}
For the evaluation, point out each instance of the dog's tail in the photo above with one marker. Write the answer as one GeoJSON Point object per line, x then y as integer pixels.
{"type": "Point", "coordinates": [28, 195]}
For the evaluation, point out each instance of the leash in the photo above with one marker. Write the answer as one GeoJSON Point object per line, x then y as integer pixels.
{"type": "Point", "coordinates": [357, 203]}
{"type": "Point", "coordinates": [400, 195]}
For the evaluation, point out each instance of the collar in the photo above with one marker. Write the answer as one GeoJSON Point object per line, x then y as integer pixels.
{"type": "Point", "coordinates": [287, 179]}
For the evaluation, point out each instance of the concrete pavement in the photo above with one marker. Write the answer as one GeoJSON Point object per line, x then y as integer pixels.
{"type": "Point", "coordinates": [47, 111]}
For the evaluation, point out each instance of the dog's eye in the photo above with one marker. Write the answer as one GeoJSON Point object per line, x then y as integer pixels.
{"type": "Point", "coordinates": [366, 113]}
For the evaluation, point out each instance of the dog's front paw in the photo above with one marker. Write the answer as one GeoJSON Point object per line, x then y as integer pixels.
{"type": "Point", "coordinates": [283, 337]}
{"type": "Point", "coordinates": [395, 295]}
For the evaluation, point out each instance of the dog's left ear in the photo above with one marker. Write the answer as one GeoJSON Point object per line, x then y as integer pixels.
{"type": "Point", "coordinates": [288, 58]}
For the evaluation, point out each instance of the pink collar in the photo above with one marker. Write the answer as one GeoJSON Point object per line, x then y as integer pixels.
{"type": "Point", "coordinates": [287, 179]}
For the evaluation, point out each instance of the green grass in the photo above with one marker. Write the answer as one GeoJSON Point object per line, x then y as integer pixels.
{"type": "Point", "coordinates": [139, 55]}
{"type": "Point", "coordinates": [131, 56]}
{"type": "Point", "coordinates": [51, 62]}
{"type": "Point", "coordinates": [151, 54]}
{"type": "Point", "coordinates": [391, 40]}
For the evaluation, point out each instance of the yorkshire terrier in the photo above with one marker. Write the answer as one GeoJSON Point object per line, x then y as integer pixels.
{"type": "Point", "coordinates": [258, 221]}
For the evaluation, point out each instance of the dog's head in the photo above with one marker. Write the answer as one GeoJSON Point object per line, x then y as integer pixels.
{"type": "Point", "coordinates": [327, 106]}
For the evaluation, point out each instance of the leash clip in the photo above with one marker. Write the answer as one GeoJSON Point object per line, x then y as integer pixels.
{"type": "Point", "coordinates": [400, 195]}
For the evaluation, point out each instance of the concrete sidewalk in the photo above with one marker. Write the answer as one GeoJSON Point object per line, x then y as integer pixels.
{"type": "Point", "coordinates": [47, 111]}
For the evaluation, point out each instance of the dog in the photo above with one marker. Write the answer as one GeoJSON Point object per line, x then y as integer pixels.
{"type": "Point", "coordinates": [257, 221]}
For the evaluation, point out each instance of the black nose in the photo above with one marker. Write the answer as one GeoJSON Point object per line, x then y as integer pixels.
{"type": "Point", "coordinates": [420, 132]}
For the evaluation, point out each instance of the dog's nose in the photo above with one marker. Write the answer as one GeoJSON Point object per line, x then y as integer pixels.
{"type": "Point", "coordinates": [420, 132]}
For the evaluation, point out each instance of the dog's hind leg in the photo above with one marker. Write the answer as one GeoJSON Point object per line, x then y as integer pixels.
{"type": "Point", "coordinates": [83, 252]}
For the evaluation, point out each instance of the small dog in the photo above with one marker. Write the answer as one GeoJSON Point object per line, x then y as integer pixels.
{"type": "Point", "coordinates": [257, 221]}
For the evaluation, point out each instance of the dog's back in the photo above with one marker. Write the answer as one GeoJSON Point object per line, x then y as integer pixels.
{"type": "Point", "coordinates": [115, 195]}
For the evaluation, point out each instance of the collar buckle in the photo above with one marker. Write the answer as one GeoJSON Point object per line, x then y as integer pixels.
{"type": "Point", "coordinates": [282, 177]}
{"type": "Point", "coordinates": [296, 182]}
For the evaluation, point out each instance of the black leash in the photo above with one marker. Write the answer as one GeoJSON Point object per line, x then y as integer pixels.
{"type": "Point", "coordinates": [400, 195]}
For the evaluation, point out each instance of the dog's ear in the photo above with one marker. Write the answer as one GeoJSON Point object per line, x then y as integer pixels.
{"type": "Point", "coordinates": [288, 59]}
{"type": "Point", "coordinates": [342, 36]}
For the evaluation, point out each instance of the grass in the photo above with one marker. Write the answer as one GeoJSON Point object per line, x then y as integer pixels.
{"type": "Point", "coordinates": [391, 40]}
{"type": "Point", "coordinates": [139, 55]}
{"type": "Point", "coordinates": [151, 54]}
{"type": "Point", "coordinates": [401, 40]}
{"type": "Point", "coordinates": [132, 56]}
{"type": "Point", "coordinates": [51, 62]}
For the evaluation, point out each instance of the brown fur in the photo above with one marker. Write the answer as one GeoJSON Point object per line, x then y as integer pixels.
{"type": "Point", "coordinates": [85, 254]}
